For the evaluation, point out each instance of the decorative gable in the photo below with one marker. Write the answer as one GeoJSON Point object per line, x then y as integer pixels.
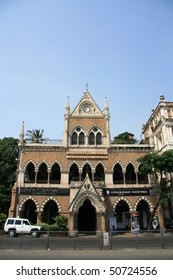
{"type": "Point", "coordinates": [87, 107]}
{"type": "Point", "coordinates": [87, 191]}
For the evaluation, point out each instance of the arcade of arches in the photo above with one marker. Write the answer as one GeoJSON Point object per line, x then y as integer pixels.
{"type": "Point", "coordinates": [43, 174]}
{"type": "Point", "coordinates": [86, 219]}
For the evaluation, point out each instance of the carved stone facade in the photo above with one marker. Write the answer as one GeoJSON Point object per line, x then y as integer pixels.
{"type": "Point", "coordinates": [158, 130]}
{"type": "Point", "coordinates": [84, 177]}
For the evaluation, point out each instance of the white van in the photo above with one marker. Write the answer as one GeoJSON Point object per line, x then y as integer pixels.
{"type": "Point", "coordinates": [15, 226]}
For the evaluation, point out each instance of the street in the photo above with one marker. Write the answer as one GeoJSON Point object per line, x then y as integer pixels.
{"type": "Point", "coordinates": [123, 254]}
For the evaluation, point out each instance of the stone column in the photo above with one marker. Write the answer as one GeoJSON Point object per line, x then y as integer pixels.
{"type": "Point", "coordinates": [71, 222]}
{"type": "Point", "coordinates": [36, 173]}
{"type": "Point", "coordinates": [102, 222]}
{"type": "Point", "coordinates": [124, 177]}
{"type": "Point", "coordinates": [39, 216]}
{"type": "Point", "coordinates": [48, 179]}
{"type": "Point", "coordinates": [136, 173]}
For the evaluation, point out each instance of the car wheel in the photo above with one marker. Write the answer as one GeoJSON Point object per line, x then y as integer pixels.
{"type": "Point", "coordinates": [12, 233]}
{"type": "Point", "coordinates": [34, 233]}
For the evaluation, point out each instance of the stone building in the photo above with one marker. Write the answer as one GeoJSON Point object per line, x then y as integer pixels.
{"type": "Point", "coordinates": [158, 130]}
{"type": "Point", "coordinates": [85, 177]}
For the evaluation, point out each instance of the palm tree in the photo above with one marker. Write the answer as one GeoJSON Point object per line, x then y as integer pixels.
{"type": "Point", "coordinates": [35, 135]}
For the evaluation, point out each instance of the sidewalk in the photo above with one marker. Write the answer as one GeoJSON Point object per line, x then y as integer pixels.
{"type": "Point", "coordinates": [123, 254]}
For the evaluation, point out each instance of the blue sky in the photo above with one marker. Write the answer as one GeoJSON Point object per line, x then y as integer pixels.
{"type": "Point", "coordinates": [50, 49]}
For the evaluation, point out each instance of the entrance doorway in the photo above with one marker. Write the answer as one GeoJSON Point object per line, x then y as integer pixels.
{"type": "Point", "coordinates": [87, 217]}
{"type": "Point", "coordinates": [123, 216]}
{"type": "Point", "coordinates": [144, 213]}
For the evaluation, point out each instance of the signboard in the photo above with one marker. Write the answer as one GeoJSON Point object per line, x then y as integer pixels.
{"type": "Point", "coordinates": [128, 192]}
{"type": "Point", "coordinates": [44, 191]}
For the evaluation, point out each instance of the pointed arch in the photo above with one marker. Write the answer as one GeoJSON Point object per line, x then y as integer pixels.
{"type": "Point", "coordinates": [73, 173]}
{"type": "Point", "coordinates": [99, 174]}
{"type": "Point", "coordinates": [28, 208]}
{"type": "Point", "coordinates": [48, 199]}
{"type": "Point", "coordinates": [29, 176]}
{"type": "Point", "coordinates": [42, 176]}
{"type": "Point", "coordinates": [142, 178]}
{"type": "Point", "coordinates": [81, 138]}
{"type": "Point", "coordinates": [93, 199]}
{"type": "Point", "coordinates": [74, 138]}
{"type": "Point", "coordinates": [122, 209]}
{"type": "Point", "coordinates": [124, 199]}
{"type": "Point", "coordinates": [87, 216]}
{"type": "Point", "coordinates": [77, 135]}
{"type": "Point", "coordinates": [95, 135]}
{"type": "Point", "coordinates": [55, 174]}
{"type": "Point", "coordinates": [118, 174]}
{"type": "Point", "coordinates": [130, 174]}
{"type": "Point", "coordinates": [151, 207]}
{"type": "Point", "coordinates": [50, 211]}
{"type": "Point", "coordinates": [143, 208]}
{"type": "Point", "coordinates": [86, 170]}
{"type": "Point", "coordinates": [98, 138]}
{"type": "Point", "coordinates": [91, 139]}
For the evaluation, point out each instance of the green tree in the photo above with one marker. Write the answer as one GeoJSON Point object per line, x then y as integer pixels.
{"type": "Point", "coordinates": [124, 138]}
{"type": "Point", "coordinates": [35, 135]}
{"type": "Point", "coordinates": [8, 166]}
{"type": "Point", "coordinates": [160, 168]}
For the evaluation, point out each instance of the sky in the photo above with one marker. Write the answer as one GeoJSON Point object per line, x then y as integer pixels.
{"type": "Point", "coordinates": [50, 49]}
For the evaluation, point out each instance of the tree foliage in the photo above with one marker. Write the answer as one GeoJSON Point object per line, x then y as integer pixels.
{"type": "Point", "coordinates": [160, 168]}
{"type": "Point", "coordinates": [35, 135]}
{"type": "Point", "coordinates": [124, 138]}
{"type": "Point", "coordinates": [8, 166]}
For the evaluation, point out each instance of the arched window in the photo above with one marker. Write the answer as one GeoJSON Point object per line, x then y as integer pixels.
{"type": "Point", "coordinates": [42, 176]}
{"type": "Point", "coordinates": [74, 138]}
{"type": "Point", "coordinates": [98, 138]}
{"type": "Point", "coordinates": [74, 173]}
{"type": "Point", "coordinates": [99, 174]}
{"type": "Point", "coordinates": [95, 137]}
{"type": "Point", "coordinates": [55, 174]}
{"type": "Point", "coordinates": [130, 174]}
{"type": "Point", "coordinates": [117, 174]}
{"type": "Point", "coordinates": [30, 173]}
{"type": "Point", "coordinates": [91, 139]}
{"type": "Point", "coordinates": [142, 178]}
{"type": "Point", "coordinates": [81, 138]}
{"type": "Point", "coordinates": [86, 170]}
{"type": "Point", "coordinates": [78, 137]}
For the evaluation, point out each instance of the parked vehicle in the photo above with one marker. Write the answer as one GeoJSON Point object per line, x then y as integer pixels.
{"type": "Point", "coordinates": [15, 226]}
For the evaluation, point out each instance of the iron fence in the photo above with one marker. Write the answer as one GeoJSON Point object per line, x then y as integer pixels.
{"type": "Point", "coordinates": [89, 240]}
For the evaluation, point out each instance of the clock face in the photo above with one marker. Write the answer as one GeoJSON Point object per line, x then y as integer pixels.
{"type": "Point", "coordinates": [86, 108]}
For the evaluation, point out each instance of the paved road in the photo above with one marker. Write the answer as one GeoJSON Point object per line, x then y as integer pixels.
{"type": "Point", "coordinates": [123, 254]}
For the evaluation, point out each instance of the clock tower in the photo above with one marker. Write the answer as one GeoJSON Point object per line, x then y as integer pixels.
{"type": "Point", "coordinates": [87, 125]}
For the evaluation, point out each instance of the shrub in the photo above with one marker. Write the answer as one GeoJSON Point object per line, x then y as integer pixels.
{"type": "Point", "coordinates": [59, 225]}
{"type": "Point", "coordinates": [3, 218]}
{"type": "Point", "coordinates": [61, 222]}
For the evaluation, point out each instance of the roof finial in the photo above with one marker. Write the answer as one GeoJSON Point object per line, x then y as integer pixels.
{"type": "Point", "coordinates": [22, 133]}
{"type": "Point", "coordinates": [87, 87]}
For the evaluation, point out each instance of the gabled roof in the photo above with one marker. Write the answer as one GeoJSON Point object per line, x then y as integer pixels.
{"type": "Point", "coordinates": [87, 99]}
{"type": "Point", "coordinates": [87, 191]}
